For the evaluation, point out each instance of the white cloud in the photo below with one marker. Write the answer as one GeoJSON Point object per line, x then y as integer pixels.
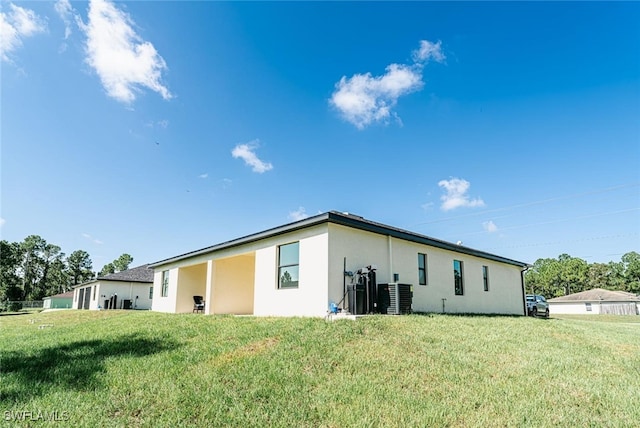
{"type": "Point", "coordinates": [15, 25]}
{"type": "Point", "coordinates": [364, 99]}
{"type": "Point", "coordinates": [299, 214]}
{"type": "Point", "coordinates": [429, 51]}
{"type": "Point", "coordinates": [456, 195]}
{"type": "Point", "coordinates": [246, 152]}
{"type": "Point", "coordinates": [205, 175]}
{"type": "Point", "coordinates": [490, 226]}
{"type": "Point", "coordinates": [124, 62]}
{"type": "Point", "coordinates": [92, 239]}
{"type": "Point", "coordinates": [65, 11]}
{"type": "Point", "coordinates": [2, 221]}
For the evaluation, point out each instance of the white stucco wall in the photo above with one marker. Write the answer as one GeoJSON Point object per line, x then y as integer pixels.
{"type": "Point", "coordinates": [310, 298]}
{"type": "Point", "coordinates": [392, 255]}
{"type": "Point", "coordinates": [167, 303]}
{"type": "Point", "coordinates": [233, 285]}
{"type": "Point", "coordinates": [124, 290]}
{"type": "Point", "coordinates": [191, 282]}
{"type": "Point", "coordinates": [244, 279]}
{"type": "Point", "coordinates": [580, 307]}
{"type": "Point", "coordinates": [572, 308]}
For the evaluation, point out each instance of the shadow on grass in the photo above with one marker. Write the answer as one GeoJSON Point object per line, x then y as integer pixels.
{"type": "Point", "coordinates": [75, 366]}
{"type": "Point", "coordinates": [466, 315]}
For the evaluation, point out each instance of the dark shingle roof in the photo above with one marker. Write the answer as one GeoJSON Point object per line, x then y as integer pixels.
{"type": "Point", "coordinates": [349, 220]}
{"type": "Point", "coordinates": [137, 274]}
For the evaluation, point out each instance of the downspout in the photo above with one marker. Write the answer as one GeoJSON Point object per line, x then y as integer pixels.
{"type": "Point", "coordinates": [390, 259]}
{"type": "Point", "coordinates": [524, 300]}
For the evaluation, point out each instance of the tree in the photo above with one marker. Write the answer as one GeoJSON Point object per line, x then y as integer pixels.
{"type": "Point", "coordinates": [572, 274]}
{"type": "Point", "coordinates": [118, 265]}
{"type": "Point", "coordinates": [631, 264]}
{"type": "Point", "coordinates": [32, 264]}
{"type": "Point", "coordinates": [52, 260]}
{"type": "Point", "coordinates": [107, 269]}
{"type": "Point", "coordinates": [598, 276]}
{"type": "Point", "coordinates": [79, 267]}
{"type": "Point", "coordinates": [10, 262]}
{"type": "Point", "coordinates": [58, 277]}
{"type": "Point", "coordinates": [557, 277]}
{"type": "Point", "coordinates": [122, 262]}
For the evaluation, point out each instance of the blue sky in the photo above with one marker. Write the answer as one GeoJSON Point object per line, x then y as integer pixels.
{"type": "Point", "coordinates": [157, 128]}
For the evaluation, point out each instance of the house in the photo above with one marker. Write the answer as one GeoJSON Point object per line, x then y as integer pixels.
{"type": "Point", "coordinates": [129, 289]}
{"type": "Point", "coordinates": [301, 268]}
{"type": "Point", "coordinates": [59, 301]}
{"type": "Point", "coordinates": [596, 301]}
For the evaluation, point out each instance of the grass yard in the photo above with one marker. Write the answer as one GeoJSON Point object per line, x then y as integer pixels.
{"type": "Point", "coordinates": [127, 368]}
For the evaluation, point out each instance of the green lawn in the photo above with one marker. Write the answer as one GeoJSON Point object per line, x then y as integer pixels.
{"type": "Point", "coordinates": [126, 368]}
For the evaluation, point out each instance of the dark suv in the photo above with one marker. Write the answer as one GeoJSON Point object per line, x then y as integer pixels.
{"type": "Point", "coordinates": [537, 305]}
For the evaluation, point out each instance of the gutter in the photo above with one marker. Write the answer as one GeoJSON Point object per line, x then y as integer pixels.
{"type": "Point", "coordinates": [343, 219]}
{"type": "Point", "coordinates": [524, 300]}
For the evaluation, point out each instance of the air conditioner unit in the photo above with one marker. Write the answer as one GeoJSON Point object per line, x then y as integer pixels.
{"type": "Point", "coordinates": [395, 298]}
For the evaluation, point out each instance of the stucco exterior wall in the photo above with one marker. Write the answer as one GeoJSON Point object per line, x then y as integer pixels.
{"type": "Point", "coordinates": [89, 288]}
{"type": "Point", "coordinates": [166, 303]}
{"type": "Point", "coordinates": [575, 308]}
{"type": "Point", "coordinates": [101, 290]}
{"type": "Point", "coordinates": [233, 285]}
{"type": "Point", "coordinates": [397, 256]}
{"type": "Point", "coordinates": [580, 307]}
{"type": "Point", "coordinates": [191, 282]}
{"type": "Point", "coordinates": [310, 298]}
{"type": "Point", "coordinates": [125, 291]}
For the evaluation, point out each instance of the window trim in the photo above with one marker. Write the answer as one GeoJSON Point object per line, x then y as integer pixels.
{"type": "Point", "coordinates": [460, 291]}
{"type": "Point", "coordinates": [279, 267]}
{"type": "Point", "coordinates": [485, 277]}
{"type": "Point", "coordinates": [422, 257]}
{"type": "Point", "coordinates": [164, 290]}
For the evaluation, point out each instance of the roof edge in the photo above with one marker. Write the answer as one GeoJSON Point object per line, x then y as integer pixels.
{"type": "Point", "coordinates": [344, 219]}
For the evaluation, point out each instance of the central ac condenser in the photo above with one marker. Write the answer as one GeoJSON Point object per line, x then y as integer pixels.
{"type": "Point", "coordinates": [394, 298]}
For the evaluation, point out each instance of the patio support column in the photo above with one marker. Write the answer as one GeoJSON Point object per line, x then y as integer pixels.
{"type": "Point", "coordinates": [208, 309]}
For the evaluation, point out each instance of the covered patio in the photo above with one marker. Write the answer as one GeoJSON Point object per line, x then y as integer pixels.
{"type": "Point", "coordinates": [227, 285]}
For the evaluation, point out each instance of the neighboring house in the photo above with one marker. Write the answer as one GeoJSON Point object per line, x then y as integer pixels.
{"type": "Point", "coordinates": [129, 289]}
{"type": "Point", "coordinates": [596, 301]}
{"type": "Point", "coordinates": [299, 269]}
{"type": "Point", "coordinates": [59, 301]}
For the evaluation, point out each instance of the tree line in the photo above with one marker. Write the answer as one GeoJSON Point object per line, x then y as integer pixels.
{"type": "Point", "coordinates": [33, 269]}
{"type": "Point", "coordinates": [567, 275]}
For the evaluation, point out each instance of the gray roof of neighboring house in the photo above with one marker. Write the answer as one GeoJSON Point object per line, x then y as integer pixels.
{"type": "Point", "coordinates": [142, 274]}
{"type": "Point", "coordinates": [137, 274]}
{"type": "Point", "coordinates": [597, 295]}
{"type": "Point", "coordinates": [67, 295]}
{"type": "Point", "coordinates": [349, 220]}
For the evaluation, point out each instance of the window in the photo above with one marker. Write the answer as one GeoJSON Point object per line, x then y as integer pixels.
{"type": "Point", "coordinates": [150, 293]}
{"type": "Point", "coordinates": [588, 306]}
{"type": "Point", "coordinates": [457, 278]}
{"type": "Point", "coordinates": [485, 277]}
{"type": "Point", "coordinates": [422, 269]}
{"type": "Point", "coordinates": [165, 283]}
{"type": "Point", "coordinates": [288, 265]}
